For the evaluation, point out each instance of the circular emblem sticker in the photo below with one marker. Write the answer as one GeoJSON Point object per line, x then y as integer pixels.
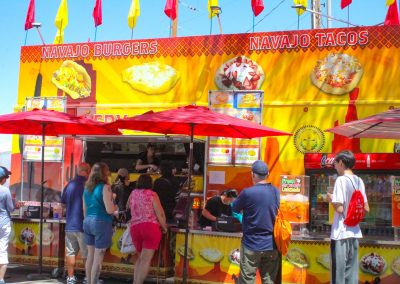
{"type": "Point", "coordinates": [309, 139]}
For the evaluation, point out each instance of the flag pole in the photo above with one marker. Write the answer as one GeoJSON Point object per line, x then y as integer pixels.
{"type": "Point", "coordinates": [95, 34]}
{"type": "Point", "coordinates": [348, 15]}
{"type": "Point", "coordinates": [253, 22]}
{"type": "Point", "coordinates": [298, 22]}
{"type": "Point", "coordinates": [26, 36]}
{"type": "Point", "coordinates": [211, 25]}
{"type": "Point", "coordinates": [131, 33]}
{"type": "Point", "coordinates": [170, 28]}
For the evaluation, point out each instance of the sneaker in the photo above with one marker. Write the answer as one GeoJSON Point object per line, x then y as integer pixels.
{"type": "Point", "coordinates": [70, 280]}
{"type": "Point", "coordinates": [84, 281]}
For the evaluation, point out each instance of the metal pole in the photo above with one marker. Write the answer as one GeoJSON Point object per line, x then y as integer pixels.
{"type": "Point", "coordinates": [329, 13]}
{"type": "Point", "coordinates": [41, 203]}
{"type": "Point", "coordinates": [188, 208]}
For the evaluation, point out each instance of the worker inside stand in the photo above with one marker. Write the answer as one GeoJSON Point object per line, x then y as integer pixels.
{"type": "Point", "coordinates": [217, 206]}
{"type": "Point", "coordinates": [147, 161]}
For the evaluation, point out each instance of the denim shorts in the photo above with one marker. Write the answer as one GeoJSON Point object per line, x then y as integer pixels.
{"type": "Point", "coordinates": [98, 233]}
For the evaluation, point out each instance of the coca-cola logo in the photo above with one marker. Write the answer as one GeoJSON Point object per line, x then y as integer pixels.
{"type": "Point", "coordinates": [326, 161]}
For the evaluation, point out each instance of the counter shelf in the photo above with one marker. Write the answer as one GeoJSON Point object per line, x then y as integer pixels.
{"type": "Point", "coordinates": [314, 250]}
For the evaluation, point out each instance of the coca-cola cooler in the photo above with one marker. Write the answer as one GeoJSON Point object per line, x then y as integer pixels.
{"type": "Point", "coordinates": [375, 169]}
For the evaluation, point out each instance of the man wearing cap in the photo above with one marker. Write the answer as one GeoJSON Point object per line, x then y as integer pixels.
{"type": "Point", "coordinates": [7, 205]}
{"type": "Point", "coordinates": [259, 204]}
{"type": "Point", "coordinates": [72, 197]}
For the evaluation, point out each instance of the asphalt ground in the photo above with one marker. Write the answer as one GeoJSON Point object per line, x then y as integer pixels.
{"type": "Point", "coordinates": [17, 273]}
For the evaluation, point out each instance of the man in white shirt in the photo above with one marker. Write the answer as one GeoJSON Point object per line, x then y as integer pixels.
{"type": "Point", "coordinates": [344, 239]}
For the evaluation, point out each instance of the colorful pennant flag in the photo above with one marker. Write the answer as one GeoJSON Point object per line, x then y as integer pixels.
{"type": "Point", "coordinates": [392, 16]}
{"type": "Point", "coordinates": [61, 21]}
{"type": "Point", "coordinates": [345, 3]}
{"type": "Point", "coordinates": [97, 14]}
{"type": "Point", "coordinates": [304, 3]}
{"type": "Point", "coordinates": [30, 15]}
{"type": "Point", "coordinates": [134, 13]}
{"type": "Point", "coordinates": [257, 6]}
{"type": "Point", "coordinates": [212, 3]}
{"type": "Point", "coordinates": [170, 9]}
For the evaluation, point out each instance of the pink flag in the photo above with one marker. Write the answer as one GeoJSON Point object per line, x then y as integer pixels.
{"type": "Point", "coordinates": [257, 6]}
{"type": "Point", "coordinates": [392, 16]}
{"type": "Point", "coordinates": [97, 13]}
{"type": "Point", "coordinates": [170, 9]}
{"type": "Point", "coordinates": [345, 3]}
{"type": "Point", "coordinates": [30, 15]}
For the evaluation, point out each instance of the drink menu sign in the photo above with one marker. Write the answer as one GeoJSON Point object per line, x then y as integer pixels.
{"type": "Point", "coordinates": [245, 105]}
{"type": "Point", "coordinates": [53, 150]}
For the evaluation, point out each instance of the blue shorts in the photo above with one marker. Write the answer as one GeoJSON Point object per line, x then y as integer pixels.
{"type": "Point", "coordinates": [98, 233]}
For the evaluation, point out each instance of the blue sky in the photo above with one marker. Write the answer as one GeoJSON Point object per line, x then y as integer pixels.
{"type": "Point", "coordinates": [236, 17]}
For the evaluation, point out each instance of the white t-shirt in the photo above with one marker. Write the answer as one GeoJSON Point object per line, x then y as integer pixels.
{"type": "Point", "coordinates": [342, 192]}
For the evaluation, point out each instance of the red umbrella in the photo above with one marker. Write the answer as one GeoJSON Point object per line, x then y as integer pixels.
{"type": "Point", "coordinates": [385, 125]}
{"type": "Point", "coordinates": [49, 123]}
{"type": "Point", "coordinates": [194, 120]}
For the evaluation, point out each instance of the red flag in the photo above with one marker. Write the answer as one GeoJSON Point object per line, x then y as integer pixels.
{"type": "Point", "coordinates": [170, 9]}
{"type": "Point", "coordinates": [97, 13]}
{"type": "Point", "coordinates": [30, 15]}
{"type": "Point", "coordinates": [345, 3]}
{"type": "Point", "coordinates": [392, 16]}
{"type": "Point", "coordinates": [257, 6]}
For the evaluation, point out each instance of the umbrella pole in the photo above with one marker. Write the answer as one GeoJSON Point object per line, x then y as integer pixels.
{"type": "Point", "coordinates": [41, 204]}
{"type": "Point", "coordinates": [40, 275]}
{"type": "Point", "coordinates": [188, 207]}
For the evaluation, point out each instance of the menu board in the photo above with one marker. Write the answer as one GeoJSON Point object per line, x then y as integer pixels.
{"type": "Point", "coordinates": [395, 201]}
{"type": "Point", "coordinates": [245, 105]}
{"type": "Point", "coordinates": [33, 143]}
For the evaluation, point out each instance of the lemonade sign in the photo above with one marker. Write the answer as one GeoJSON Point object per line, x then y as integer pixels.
{"type": "Point", "coordinates": [294, 198]}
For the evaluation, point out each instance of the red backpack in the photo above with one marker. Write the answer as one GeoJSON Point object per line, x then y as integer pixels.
{"type": "Point", "coordinates": [355, 210]}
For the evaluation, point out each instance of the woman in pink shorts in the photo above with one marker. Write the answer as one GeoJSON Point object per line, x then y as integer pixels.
{"type": "Point", "coordinates": [148, 219]}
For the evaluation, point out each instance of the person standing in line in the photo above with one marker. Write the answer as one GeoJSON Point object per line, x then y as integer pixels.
{"type": "Point", "coordinates": [72, 199]}
{"type": "Point", "coordinates": [121, 191]}
{"type": "Point", "coordinates": [259, 204]}
{"type": "Point", "coordinates": [7, 205]}
{"type": "Point", "coordinates": [98, 206]}
{"type": "Point", "coordinates": [344, 239]}
{"type": "Point", "coordinates": [167, 189]}
{"type": "Point", "coordinates": [147, 222]}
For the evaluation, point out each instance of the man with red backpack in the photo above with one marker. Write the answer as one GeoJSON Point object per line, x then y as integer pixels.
{"type": "Point", "coordinates": [350, 203]}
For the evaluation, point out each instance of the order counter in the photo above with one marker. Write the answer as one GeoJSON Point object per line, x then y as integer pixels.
{"type": "Point", "coordinates": [212, 258]}
{"type": "Point", "coordinates": [24, 249]}
{"type": "Point", "coordinates": [23, 245]}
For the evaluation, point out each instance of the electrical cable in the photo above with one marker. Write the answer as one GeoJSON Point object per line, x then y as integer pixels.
{"type": "Point", "coordinates": [266, 15]}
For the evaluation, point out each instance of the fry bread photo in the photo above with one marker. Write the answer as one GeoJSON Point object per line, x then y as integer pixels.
{"type": "Point", "coordinates": [239, 73]}
{"type": "Point", "coordinates": [152, 78]}
{"type": "Point", "coordinates": [73, 79]}
{"type": "Point", "coordinates": [337, 73]}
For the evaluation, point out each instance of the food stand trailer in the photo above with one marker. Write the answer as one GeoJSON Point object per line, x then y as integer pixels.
{"type": "Point", "coordinates": [311, 80]}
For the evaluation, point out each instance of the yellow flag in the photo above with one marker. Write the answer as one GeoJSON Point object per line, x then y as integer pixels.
{"type": "Point", "coordinates": [300, 2]}
{"type": "Point", "coordinates": [61, 21]}
{"type": "Point", "coordinates": [134, 13]}
{"type": "Point", "coordinates": [389, 2]}
{"type": "Point", "coordinates": [212, 3]}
